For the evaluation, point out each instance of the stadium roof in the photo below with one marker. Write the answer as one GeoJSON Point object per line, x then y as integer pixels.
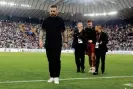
{"type": "Point", "coordinates": [69, 9]}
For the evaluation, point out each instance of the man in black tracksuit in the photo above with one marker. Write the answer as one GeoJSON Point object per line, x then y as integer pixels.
{"type": "Point", "coordinates": [79, 44]}
{"type": "Point", "coordinates": [100, 48]}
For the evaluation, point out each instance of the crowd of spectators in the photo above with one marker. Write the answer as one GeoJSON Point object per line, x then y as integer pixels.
{"type": "Point", "coordinates": [12, 36]}
{"type": "Point", "coordinates": [25, 35]}
{"type": "Point", "coordinates": [119, 38]}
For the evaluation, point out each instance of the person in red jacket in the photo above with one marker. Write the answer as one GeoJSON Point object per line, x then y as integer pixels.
{"type": "Point", "coordinates": [91, 41]}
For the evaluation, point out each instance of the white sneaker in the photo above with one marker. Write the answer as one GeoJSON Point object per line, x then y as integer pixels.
{"type": "Point", "coordinates": [51, 80]}
{"type": "Point", "coordinates": [90, 71]}
{"type": "Point", "coordinates": [93, 69]}
{"type": "Point", "coordinates": [56, 80]}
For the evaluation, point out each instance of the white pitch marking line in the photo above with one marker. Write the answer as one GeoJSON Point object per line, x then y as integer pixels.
{"type": "Point", "coordinates": [130, 85]}
{"type": "Point", "coordinates": [30, 81]}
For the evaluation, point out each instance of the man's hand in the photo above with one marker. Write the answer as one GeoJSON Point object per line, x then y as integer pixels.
{"type": "Point", "coordinates": [101, 42]}
{"type": "Point", "coordinates": [41, 36]}
{"type": "Point", "coordinates": [90, 41]}
{"type": "Point", "coordinates": [66, 45]}
{"type": "Point", "coordinates": [40, 43]}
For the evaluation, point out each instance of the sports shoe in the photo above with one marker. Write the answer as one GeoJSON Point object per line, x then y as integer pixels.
{"type": "Point", "coordinates": [51, 80]}
{"type": "Point", "coordinates": [93, 69]}
{"type": "Point", "coordinates": [90, 71]}
{"type": "Point", "coordinates": [56, 80]}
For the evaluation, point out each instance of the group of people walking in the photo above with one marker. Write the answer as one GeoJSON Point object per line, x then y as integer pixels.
{"type": "Point", "coordinates": [91, 41]}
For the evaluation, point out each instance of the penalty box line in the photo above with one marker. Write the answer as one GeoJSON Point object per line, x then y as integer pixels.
{"type": "Point", "coordinates": [66, 79]}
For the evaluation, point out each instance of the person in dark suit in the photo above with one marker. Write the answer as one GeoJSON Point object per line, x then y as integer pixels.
{"type": "Point", "coordinates": [100, 48]}
{"type": "Point", "coordinates": [79, 44]}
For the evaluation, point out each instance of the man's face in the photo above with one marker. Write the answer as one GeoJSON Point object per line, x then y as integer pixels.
{"type": "Point", "coordinates": [90, 24]}
{"type": "Point", "coordinates": [53, 12]}
{"type": "Point", "coordinates": [80, 25]}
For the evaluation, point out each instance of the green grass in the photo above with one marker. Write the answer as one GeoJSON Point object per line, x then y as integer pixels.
{"type": "Point", "coordinates": [34, 66]}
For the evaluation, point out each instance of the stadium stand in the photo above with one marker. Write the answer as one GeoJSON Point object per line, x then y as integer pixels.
{"type": "Point", "coordinates": [25, 35]}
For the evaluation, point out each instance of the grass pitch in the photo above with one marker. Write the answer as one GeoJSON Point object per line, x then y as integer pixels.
{"type": "Point", "coordinates": [26, 67]}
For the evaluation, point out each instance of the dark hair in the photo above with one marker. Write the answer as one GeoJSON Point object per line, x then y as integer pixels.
{"type": "Point", "coordinates": [89, 21]}
{"type": "Point", "coordinates": [53, 6]}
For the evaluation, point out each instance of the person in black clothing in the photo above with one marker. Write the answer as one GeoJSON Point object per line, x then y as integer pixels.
{"type": "Point", "coordinates": [90, 43]}
{"type": "Point", "coordinates": [100, 48]}
{"type": "Point", "coordinates": [79, 44]}
{"type": "Point", "coordinates": [54, 27]}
